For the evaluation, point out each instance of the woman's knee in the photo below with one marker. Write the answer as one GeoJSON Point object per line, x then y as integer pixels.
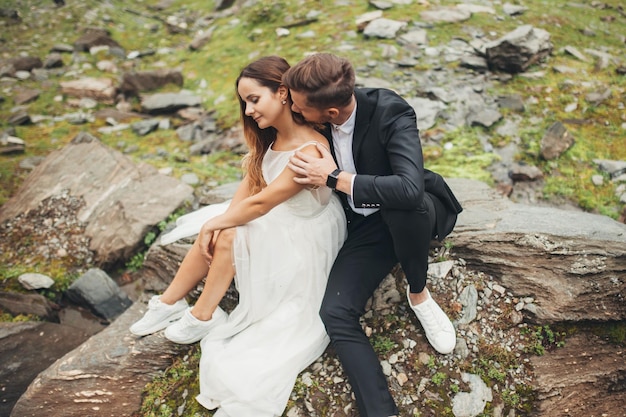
{"type": "Point", "coordinates": [225, 239]}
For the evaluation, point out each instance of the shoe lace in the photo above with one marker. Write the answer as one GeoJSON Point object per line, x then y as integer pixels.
{"type": "Point", "coordinates": [429, 321]}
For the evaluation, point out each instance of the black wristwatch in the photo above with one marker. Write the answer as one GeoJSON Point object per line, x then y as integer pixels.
{"type": "Point", "coordinates": [331, 181]}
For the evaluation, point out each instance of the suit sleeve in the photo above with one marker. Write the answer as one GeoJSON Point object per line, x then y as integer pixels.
{"type": "Point", "coordinates": [393, 174]}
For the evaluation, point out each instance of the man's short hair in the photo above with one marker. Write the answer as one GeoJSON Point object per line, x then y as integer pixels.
{"type": "Point", "coordinates": [325, 79]}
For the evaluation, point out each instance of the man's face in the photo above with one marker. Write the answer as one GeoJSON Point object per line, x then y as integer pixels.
{"type": "Point", "coordinates": [310, 114]}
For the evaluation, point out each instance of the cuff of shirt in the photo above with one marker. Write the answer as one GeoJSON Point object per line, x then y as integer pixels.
{"type": "Point", "coordinates": [352, 186]}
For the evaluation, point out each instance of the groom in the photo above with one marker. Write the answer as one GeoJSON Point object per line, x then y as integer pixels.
{"type": "Point", "coordinates": [393, 205]}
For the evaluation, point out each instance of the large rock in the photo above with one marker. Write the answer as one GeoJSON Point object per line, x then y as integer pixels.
{"type": "Point", "coordinates": [36, 304]}
{"type": "Point", "coordinates": [161, 103]}
{"type": "Point", "coordinates": [586, 377]}
{"type": "Point", "coordinates": [123, 201]}
{"type": "Point", "coordinates": [134, 83]}
{"type": "Point", "coordinates": [26, 350]}
{"type": "Point", "coordinates": [517, 50]}
{"type": "Point", "coordinates": [105, 376]}
{"type": "Point", "coordinates": [94, 36]}
{"type": "Point", "coordinates": [101, 89]}
{"type": "Point", "coordinates": [25, 63]}
{"type": "Point", "coordinates": [98, 292]}
{"type": "Point", "coordinates": [572, 263]}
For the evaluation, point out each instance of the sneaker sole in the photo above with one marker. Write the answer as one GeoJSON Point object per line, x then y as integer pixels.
{"type": "Point", "coordinates": [181, 341]}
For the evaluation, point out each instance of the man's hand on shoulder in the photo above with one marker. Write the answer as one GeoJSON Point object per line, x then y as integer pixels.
{"type": "Point", "coordinates": [311, 169]}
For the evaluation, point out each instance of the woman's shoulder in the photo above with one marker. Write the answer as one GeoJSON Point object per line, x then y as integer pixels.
{"type": "Point", "coordinates": [312, 139]}
{"type": "Point", "coordinates": [311, 147]}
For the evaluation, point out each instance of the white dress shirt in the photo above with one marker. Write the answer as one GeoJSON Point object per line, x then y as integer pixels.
{"type": "Point", "coordinates": [342, 142]}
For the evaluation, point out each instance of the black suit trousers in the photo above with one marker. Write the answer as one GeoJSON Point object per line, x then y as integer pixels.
{"type": "Point", "coordinates": [365, 259]}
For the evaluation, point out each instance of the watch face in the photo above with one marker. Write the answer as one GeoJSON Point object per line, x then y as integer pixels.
{"type": "Point", "coordinates": [331, 181]}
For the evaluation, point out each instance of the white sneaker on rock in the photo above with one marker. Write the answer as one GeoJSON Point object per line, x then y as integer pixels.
{"type": "Point", "coordinates": [158, 316]}
{"type": "Point", "coordinates": [437, 326]}
{"type": "Point", "coordinates": [189, 329]}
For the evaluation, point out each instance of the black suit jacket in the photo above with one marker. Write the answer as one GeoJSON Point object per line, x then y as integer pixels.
{"type": "Point", "coordinates": [388, 157]}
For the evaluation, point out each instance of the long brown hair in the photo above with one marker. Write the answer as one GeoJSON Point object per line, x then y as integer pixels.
{"type": "Point", "coordinates": [268, 72]}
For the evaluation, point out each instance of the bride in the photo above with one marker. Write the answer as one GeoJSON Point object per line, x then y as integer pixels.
{"type": "Point", "coordinates": [277, 239]}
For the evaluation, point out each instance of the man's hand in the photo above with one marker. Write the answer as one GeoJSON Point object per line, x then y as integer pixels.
{"type": "Point", "coordinates": [312, 170]}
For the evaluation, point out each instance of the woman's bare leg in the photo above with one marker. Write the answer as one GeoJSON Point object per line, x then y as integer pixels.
{"type": "Point", "coordinates": [219, 277]}
{"type": "Point", "coordinates": [191, 271]}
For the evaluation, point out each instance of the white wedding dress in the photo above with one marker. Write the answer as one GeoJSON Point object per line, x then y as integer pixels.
{"type": "Point", "coordinates": [282, 260]}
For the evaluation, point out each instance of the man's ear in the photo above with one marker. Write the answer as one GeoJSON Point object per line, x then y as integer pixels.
{"type": "Point", "coordinates": [332, 112]}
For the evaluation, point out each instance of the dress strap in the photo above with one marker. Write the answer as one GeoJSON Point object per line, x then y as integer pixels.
{"type": "Point", "coordinates": [312, 142]}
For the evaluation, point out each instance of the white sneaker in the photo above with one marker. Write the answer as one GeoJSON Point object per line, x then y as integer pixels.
{"type": "Point", "coordinates": [158, 316]}
{"type": "Point", "coordinates": [437, 326]}
{"type": "Point", "coordinates": [189, 329]}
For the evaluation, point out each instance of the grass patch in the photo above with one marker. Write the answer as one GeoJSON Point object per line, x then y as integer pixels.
{"type": "Point", "coordinates": [543, 338]}
{"type": "Point", "coordinates": [460, 155]}
{"type": "Point", "coordinates": [173, 392]}
{"type": "Point", "coordinates": [382, 344]}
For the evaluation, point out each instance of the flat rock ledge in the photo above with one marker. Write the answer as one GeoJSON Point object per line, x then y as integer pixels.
{"type": "Point", "coordinates": [572, 264]}
{"type": "Point", "coordinates": [102, 377]}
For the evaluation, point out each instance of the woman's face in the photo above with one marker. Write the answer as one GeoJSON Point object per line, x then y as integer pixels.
{"type": "Point", "coordinates": [261, 103]}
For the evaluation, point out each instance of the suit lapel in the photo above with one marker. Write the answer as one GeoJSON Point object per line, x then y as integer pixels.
{"type": "Point", "coordinates": [328, 134]}
{"type": "Point", "coordinates": [361, 123]}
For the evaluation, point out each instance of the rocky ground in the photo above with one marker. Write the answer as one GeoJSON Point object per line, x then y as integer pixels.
{"type": "Point", "coordinates": [494, 343]}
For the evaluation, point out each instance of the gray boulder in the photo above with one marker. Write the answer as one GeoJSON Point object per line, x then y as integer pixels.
{"type": "Point", "coordinates": [519, 49]}
{"type": "Point", "coordinates": [572, 263]}
{"type": "Point", "coordinates": [98, 292]}
{"type": "Point", "coordinates": [103, 377]}
{"type": "Point", "coordinates": [122, 201]}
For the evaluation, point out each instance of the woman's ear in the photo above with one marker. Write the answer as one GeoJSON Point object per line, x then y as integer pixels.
{"type": "Point", "coordinates": [283, 92]}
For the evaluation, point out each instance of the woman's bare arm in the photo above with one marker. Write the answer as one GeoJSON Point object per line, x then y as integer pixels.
{"type": "Point", "coordinates": [254, 206]}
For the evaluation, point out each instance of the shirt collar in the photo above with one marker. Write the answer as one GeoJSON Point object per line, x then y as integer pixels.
{"type": "Point", "coordinates": [348, 126]}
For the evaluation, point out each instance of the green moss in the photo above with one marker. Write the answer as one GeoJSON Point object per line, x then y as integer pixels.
{"type": "Point", "coordinates": [544, 338]}
{"type": "Point", "coordinates": [20, 318]}
{"type": "Point", "coordinates": [462, 156]}
{"type": "Point", "coordinates": [175, 387]}
{"type": "Point", "coordinates": [616, 332]}
{"type": "Point", "coordinates": [439, 378]}
{"type": "Point", "coordinates": [382, 344]}
{"type": "Point", "coordinates": [521, 399]}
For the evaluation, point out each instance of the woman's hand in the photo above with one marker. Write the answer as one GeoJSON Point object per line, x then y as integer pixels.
{"type": "Point", "coordinates": [206, 240]}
